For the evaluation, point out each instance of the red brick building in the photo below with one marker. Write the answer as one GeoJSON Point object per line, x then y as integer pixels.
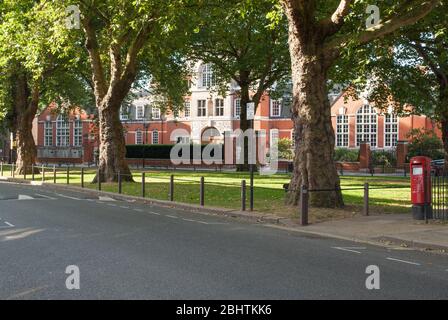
{"type": "Point", "coordinates": [65, 138]}
{"type": "Point", "coordinates": [357, 121]}
{"type": "Point", "coordinates": [206, 116]}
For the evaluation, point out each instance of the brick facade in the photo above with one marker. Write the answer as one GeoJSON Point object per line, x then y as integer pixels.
{"type": "Point", "coordinates": [358, 121]}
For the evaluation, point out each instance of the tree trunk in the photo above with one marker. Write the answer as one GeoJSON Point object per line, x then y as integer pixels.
{"type": "Point", "coordinates": [314, 164]}
{"type": "Point", "coordinates": [26, 147]}
{"type": "Point", "coordinates": [244, 126]}
{"type": "Point", "coordinates": [112, 153]}
{"type": "Point", "coordinates": [25, 108]}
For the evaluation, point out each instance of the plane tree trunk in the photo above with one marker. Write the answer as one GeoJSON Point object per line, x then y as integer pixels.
{"type": "Point", "coordinates": [25, 107]}
{"type": "Point", "coordinates": [110, 92]}
{"type": "Point", "coordinates": [112, 153]}
{"type": "Point", "coordinates": [314, 159]}
{"type": "Point", "coordinates": [314, 164]}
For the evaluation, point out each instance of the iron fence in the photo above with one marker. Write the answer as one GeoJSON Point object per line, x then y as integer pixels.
{"type": "Point", "coordinates": [439, 194]}
{"type": "Point", "coordinates": [198, 189]}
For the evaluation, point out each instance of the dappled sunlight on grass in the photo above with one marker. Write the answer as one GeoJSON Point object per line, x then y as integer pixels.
{"type": "Point", "coordinates": [223, 189]}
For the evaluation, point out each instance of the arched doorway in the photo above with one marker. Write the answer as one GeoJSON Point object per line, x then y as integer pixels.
{"type": "Point", "coordinates": [211, 135]}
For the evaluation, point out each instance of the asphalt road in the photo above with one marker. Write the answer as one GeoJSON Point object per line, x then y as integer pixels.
{"type": "Point", "coordinates": [128, 250]}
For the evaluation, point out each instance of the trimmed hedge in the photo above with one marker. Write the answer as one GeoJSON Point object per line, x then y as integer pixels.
{"type": "Point", "coordinates": [158, 151]}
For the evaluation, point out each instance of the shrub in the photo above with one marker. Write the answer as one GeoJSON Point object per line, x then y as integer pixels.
{"type": "Point", "coordinates": [346, 155]}
{"type": "Point", "coordinates": [384, 158]}
{"type": "Point", "coordinates": [285, 149]}
{"type": "Point", "coordinates": [425, 143]}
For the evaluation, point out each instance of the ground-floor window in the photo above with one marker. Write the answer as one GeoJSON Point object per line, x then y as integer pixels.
{"type": "Point", "coordinates": [219, 107]}
{"type": "Point", "coordinates": [202, 108]}
{"type": "Point", "coordinates": [155, 137]}
{"type": "Point", "coordinates": [77, 133]}
{"type": "Point", "coordinates": [366, 125]}
{"type": "Point", "coordinates": [237, 107]}
{"type": "Point", "coordinates": [48, 134]}
{"type": "Point", "coordinates": [62, 132]}
{"type": "Point", "coordinates": [342, 131]}
{"type": "Point", "coordinates": [390, 130]}
{"type": "Point", "coordinates": [138, 137]}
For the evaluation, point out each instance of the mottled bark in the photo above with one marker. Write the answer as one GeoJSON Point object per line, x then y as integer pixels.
{"type": "Point", "coordinates": [26, 147]}
{"type": "Point", "coordinates": [25, 108]}
{"type": "Point", "coordinates": [112, 151]}
{"type": "Point", "coordinates": [110, 93]}
{"type": "Point", "coordinates": [314, 164]}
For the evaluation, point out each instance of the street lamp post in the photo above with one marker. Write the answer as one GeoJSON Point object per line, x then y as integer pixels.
{"type": "Point", "coordinates": [146, 126]}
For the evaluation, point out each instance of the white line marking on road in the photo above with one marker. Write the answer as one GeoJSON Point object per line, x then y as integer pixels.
{"type": "Point", "coordinates": [103, 198]}
{"type": "Point", "coordinates": [138, 210]}
{"type": "Point", "coordinates": [156, 213]}
{"type": "Point", "coordinates": [44, 196]}
{"type": "Point", "coordinates": [404, 261]}
{"type": "Point", "coordinates": [350, 249]}
{"type": "Point", "coordinates": [8, 226]}
{"type": "Point", "coordinates": [27, 292]}
{"type": "Point", "coordinates": [172, 217]}
{"type": "Point", "coordinates": [68, 197]}
{"type": "Point", "coordinates": [25, 197]}
{"type": "Point", "coordinates": [112, 205]}
{"type": "Point", "coordinates": [191, 220]}
{"type": "Point", "coordinates": [124, 207]}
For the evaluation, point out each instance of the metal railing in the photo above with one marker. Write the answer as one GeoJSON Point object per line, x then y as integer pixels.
{"type": "Point", "coordinates": [173, 186]}
{"type": "Point", "coordinates": [439, 195]}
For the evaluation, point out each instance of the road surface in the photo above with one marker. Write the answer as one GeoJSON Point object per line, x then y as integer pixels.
{"type": "Point", "coordinates": [128, 250]}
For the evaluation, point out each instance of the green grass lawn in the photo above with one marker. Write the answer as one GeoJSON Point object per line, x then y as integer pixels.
{"type": "Point", "coordinates": [222, 189]}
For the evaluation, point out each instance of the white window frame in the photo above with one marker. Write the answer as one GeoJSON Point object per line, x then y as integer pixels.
{"type": "Point", "coordinates": [201, 106]}
{"type": "Point", "coordinates": [341, 132]}
{"type": "Point", "coordinates": [62, 131]}
{"type": "Point", "coordinates": [183, 140]}
{"type": "Point", "coordinates": [278, 104]}
{"type": "Point", "coordinates": [206, 76]}
{"type": "Point", "coordinates": [237, 108]}
{"type": "Point", "coordinates": [48, 134]}
{"type": "Point", "coordinates": [155, 136]}
{"type": "Point", "coordinates": [272, 134]}
{"type": "Point", "coordinates": [388, 142]}
{"type": "Point", "coordinates": [77, 133]}
{"type": "Point", "coordinates": [155, 113]}
{"type": "Point", "coordinates": [219, 107]}
{"type": "Point", "coordinates": [124, 114]}
{"type": "Point", "coordinates": [363, 133]}
{"type": "Point", "coordinates": [138, 136]}
{"type": "Point", "coordinates": [187, 109]}
{"type": "Point", "coordinates": [139, 112]}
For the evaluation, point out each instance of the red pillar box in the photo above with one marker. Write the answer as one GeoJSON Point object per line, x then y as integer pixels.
{"type": "Point", "coordinates": [420, 169]}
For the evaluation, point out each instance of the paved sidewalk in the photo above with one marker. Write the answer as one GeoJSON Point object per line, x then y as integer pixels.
{"type": "Point", "coordinates": [393, 229]}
